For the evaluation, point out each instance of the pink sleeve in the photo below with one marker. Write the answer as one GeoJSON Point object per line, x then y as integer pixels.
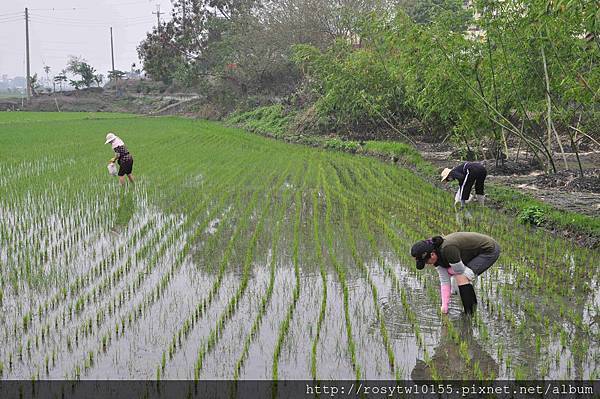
{"type": "Point", "coordinates": [117, 142]}
{"type": "Point", "coordinates": [445, 291]}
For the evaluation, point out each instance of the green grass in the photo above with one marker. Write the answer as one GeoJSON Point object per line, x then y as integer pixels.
{"type": "Point", "coordinates": [400, 152]}
{"type": "Point", "coordinates": [268, 121]}
{"type": "Point", "coordinates": [236, 253]}
{"type": "Point", "coordinates": [523, 205]}
{"type": "Point", "coordinates": [27, 117]}
{"type": "Point", "coordinates": [273, 121]}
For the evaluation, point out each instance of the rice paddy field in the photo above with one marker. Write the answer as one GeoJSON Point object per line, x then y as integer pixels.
{"type": "Point", "coordinates": [238, 257]}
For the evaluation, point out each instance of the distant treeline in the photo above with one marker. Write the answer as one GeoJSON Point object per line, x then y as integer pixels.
{"type": "Point", "coordinates": [485, 73]}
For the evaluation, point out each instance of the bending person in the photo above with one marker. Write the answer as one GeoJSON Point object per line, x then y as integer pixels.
{"type": "Point", "coordinates": [467, 174]}
{"type": "Point", "coordinates": [462, 255]}
{"type": "Point", "coordinates": [122, 157]}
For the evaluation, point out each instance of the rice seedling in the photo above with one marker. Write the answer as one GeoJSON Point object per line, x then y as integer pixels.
{"type": "Point", "coordinates": [267, 296]}
{"type": "Point", "coordinates": [215, 332]}
{"type": "Point", "coordinates": [285, 324]}
{"type": "Point", "coordinates": [91, 271]}
{"type": "Point", "coordinates": [322, 272]}
{"type": "Point", "coordinates": [341, 276]}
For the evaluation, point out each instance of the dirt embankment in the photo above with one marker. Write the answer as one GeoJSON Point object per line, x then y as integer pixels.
{"type": "Point", "coordinates": [565, 190]}
{"type": "Point", "coordinates": [100, 100]}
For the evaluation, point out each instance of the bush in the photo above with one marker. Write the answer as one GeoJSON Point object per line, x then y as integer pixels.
{"type": "Point", "coordinates": [532, 214]}
{"type": "Point", "coordinates": [272, 120]}
{"type": "Point", "coordinates": [342, 145]}
{"type": "Point", "coordinates": [356, 87]}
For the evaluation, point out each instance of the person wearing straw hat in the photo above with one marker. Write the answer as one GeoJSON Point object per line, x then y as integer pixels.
{"type": "Point", "coordinates": [467, 174]}
{"type": "Point", "coordinates": [122, 157]}
{"type": "Point", "coordinates": [463, 255]}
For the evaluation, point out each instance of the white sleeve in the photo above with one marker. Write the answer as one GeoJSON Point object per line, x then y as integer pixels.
{"type": "Point", "coordinates": [458, 195]}
{"type": "Point", "coordinates": [444, 275]}
{"type": "Point", "coordinates": [460, 268]}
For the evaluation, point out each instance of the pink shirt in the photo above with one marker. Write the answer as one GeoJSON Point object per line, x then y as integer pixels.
{"type": "Point", "coordinates": [117, 142]}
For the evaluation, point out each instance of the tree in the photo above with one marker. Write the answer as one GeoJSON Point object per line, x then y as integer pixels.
{"type": "Point", "coordinates": [47, 70]}
{"type": "Point", "coordinates": [115, 74]}
{"type": "Point", "coordinates": [79, 66]}
{"type": "Point", "coordinates": [204, 37]}
{"type": "Point", "coordinates": [160, 54]}
{"type": "Point", "coordinates": [35, 84]}
{"type": "Point", "coordinates": [75, 83]}
{"type": "Point", "coordinates": [60, 78]}
{"type": "Point", "coordinates": [427, 11]}
{"type": "Point", "coordinates": [99, 78]}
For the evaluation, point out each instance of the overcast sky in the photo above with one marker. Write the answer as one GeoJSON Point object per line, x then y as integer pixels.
{"type": "Point", "coordinates": [61, 28]}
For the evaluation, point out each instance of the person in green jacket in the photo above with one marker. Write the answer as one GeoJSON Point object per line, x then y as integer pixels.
{"type": "Point", "coordinates": [462, 255]}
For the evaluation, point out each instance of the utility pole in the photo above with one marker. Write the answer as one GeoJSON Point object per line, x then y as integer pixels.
{"type": "Point", "coordinates": [157, 13]}
{"type": "Point", "coordinates": [112, 53]}
{"type": "Point", "coordinates": [112, 58]}
{"type": "Point", "coordinates": [27, 53]}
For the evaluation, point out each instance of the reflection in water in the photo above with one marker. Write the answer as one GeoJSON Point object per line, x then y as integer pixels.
{"type": "Point", "coordinates": [125, 210]}
{"type": "Point", "coordinates": [449, 362]}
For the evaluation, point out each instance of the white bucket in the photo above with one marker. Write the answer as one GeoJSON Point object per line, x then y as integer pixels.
{"type": "Point", "coordinates": [112, 169]}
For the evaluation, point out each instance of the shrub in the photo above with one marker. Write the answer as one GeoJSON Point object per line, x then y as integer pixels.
{"type": "Point", "coordinates": [271, 120]}
{"type": "Point", "coordinates": [532, 214]}
{"type": "Point", "coordinates": [342, 145]}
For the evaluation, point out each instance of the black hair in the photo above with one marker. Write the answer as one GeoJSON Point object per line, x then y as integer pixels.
{"type": "Point", "coordinates": [437, 242]}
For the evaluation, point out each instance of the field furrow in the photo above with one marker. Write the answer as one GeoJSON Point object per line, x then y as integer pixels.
{"type": "Point", "coordinates": [238, 257]}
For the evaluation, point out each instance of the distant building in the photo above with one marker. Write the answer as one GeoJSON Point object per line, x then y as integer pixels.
{"type": "Point", "coordinates": [17, 83]}
{"type": "Point", "coordinates": [133, 75]}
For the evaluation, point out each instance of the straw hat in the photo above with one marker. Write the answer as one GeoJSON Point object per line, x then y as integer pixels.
{"type": "Point", "coordinates": [445, 173]}
{"type": "Point", "coordinates": [110, 137]}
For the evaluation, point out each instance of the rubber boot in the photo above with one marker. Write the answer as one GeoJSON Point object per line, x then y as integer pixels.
{"type": "Point", "coordinates": [468, 297]}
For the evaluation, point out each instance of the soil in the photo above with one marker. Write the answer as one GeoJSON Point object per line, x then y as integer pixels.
{"type": "Point", "coordinates": [565, 190]}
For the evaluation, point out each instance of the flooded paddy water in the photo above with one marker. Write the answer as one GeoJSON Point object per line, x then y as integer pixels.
{"type": "Point", "coordinates": [237, 257]}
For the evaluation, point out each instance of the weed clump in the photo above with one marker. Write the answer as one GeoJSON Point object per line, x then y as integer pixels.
{"type": "Point", "coordinates": [533, 215]}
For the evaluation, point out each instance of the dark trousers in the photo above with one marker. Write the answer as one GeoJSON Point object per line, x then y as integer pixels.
{"type": "Point", "coordinates": [476, 176]}
{"type": "Point", "coordinates": [482, 262]}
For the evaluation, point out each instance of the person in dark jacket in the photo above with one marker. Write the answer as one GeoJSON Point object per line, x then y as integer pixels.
{"type": "Point", "coordinates": [467, 174]}
{"type": "Point", "coordinates": [122, 156]}
{"type": "Point", "coordinates": [462, 255]}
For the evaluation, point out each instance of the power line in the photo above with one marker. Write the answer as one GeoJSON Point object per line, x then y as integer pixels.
{"type": "Point", "coordinates": [93, 22]}
{"type": "Point", "coordinates": [15, 17]}
{"type": "Point", "coordinates": [20, 13]}
{"type": "Point", "coordinates": [87, 25]}
{"type": "Point", "coordinates": [135, 2]}
{"type": "Point", "coordinates": [58, 9]}
{"type": "Point", "coordinates": [139, 23]}
{"type": "Point", "coordinates": [69, 19]}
